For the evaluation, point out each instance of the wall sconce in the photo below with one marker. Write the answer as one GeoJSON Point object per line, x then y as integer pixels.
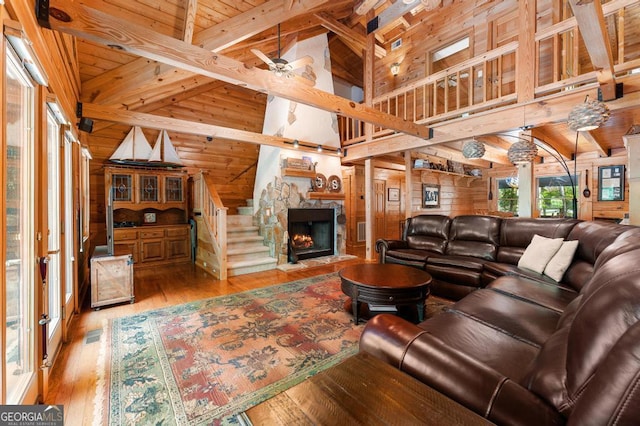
{"type": "Point", "coordinates": [395, 69]}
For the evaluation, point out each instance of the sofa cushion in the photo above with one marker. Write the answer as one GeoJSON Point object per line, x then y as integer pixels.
{"type": "Point", "coordinates": [428, 232]}
{"type": "Point", "coordinates": [461, 270]}
{"type": "Point", "coordinates": [410, 254]}
{"type": "Point", "coordinates": [607, 307]}
{"type": "Point", "coordinates": [534, 324]}
{"type": "Point", "coordinates": [475, 236]}
{"type": "Point", "coordinates": [550, 295]}
{"type": "Point", "coordinates": [482, 342]}
{"type": "Point", "coordinates": [516, 234]}
{"type": "Point", "coordinates": [560, 261]}
{"type": "Point", "coordinates": [539, 252]}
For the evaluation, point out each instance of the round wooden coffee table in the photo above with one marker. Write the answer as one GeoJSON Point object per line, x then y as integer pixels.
{"type": "Point", "coordinates": [385, 284]}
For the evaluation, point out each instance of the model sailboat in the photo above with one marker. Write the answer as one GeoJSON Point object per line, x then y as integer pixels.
{"type": "Point", "coordinates": [134, 149]}
{"type": "Point", "coordinates": [164, 153]}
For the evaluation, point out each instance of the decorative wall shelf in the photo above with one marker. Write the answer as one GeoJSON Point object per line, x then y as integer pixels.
{"type": "Point", "coordinates": [447, 173]}
{"type": "Point", "coordinates": [325, 196]}
{"type": "Point", "coordinates": [298, 173]}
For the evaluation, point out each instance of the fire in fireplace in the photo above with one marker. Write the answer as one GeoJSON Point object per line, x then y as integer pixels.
{"type": "Point", "coordinates": [311, 233]}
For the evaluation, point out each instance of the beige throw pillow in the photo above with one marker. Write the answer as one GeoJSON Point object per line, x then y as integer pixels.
{"type": "Point", "coordinates": [539, 253]}
{"type": "Point", "coordinates": [560, 262]}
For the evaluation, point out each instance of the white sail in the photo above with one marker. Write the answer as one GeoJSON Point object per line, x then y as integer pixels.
{"type": "Point", "coordinates": [134, 147]}
{"type": "Point", "coordinates": [164, 151]}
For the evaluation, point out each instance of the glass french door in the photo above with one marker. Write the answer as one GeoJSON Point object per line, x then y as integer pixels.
{"type": "Point", "coordinates": [54, 287]}
{"type": "Point", "coordinates": [19, 357]}
{"type": "Point", "coordinates": [69, 240]}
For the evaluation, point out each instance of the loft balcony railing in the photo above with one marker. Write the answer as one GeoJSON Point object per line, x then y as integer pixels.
{"type": "Point", "coordinates": [489, 80]}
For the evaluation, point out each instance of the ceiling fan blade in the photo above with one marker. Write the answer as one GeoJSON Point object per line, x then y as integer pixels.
{"type": "Point", "coordinates": [302, 62]}
{"type": "Point", "coordinates": [263, 57]}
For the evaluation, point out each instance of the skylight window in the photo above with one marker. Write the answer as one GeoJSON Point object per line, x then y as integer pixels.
{"type": "Point", "coordinates": [451, 49]}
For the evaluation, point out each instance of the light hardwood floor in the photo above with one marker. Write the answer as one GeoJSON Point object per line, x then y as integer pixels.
{"type": "Point", "coordinates": [73, 378]}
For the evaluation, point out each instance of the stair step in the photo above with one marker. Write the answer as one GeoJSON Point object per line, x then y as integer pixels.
{"type": "Point", "coordinates": [238, 239]}
{"type": "Point", "coordinates": [234, 220]}
{"type": "Point", "coordinates": [242, 229]}
{"type": "Point", "coordinates": [250, 266]}
{"type": "Point", "coordinates": [247, 250]}
{"type": "Point", "coordinates": [245, 211]}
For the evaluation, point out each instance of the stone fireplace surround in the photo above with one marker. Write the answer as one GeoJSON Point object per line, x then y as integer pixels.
{"type": "Point", "coordinates": [272, 216]}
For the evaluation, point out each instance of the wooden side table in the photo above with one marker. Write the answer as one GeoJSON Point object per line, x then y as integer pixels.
{"type": "Point", "coordinates": [385, 284]}
{"type": "Point", "coordinates": [361, 390]}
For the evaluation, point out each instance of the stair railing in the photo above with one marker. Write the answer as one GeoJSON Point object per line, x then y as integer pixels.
{"type": "Point", "coordinates": [208, 203]}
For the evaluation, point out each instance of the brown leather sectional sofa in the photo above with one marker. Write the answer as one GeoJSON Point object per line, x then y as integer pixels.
{"type": "Point", "coordinates": [520, 348]}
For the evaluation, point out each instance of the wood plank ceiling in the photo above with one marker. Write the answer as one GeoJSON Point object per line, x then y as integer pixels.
{"type": "Point", "coordinates": [115, 78]}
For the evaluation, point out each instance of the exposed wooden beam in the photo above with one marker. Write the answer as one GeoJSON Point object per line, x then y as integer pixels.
{"type": "Point", "coordinates": [598, 146]}
{"type": "Point", "coordinates": [92, 24]}
{"type": "Point", "coordinates": [253, 21]}
{"type": "Point", "coordinates": [382, 164]}
{"type": "Point", "coordinates": [540, 134]}
{"type": "Point", "coordinates": [233, 30]}
{"type": "Point", "coordinates": [354, 40]}
{"type": "Point", "coordinates": [593, 28]}
{"type": "Point", "coordinates": [150, 121]}
{"type": "Point", "coordinates": [554, 108]}
{"type": "Point", "coordinates": [190, 10]}
{"type": "Point", "coordinates": [390, 15]}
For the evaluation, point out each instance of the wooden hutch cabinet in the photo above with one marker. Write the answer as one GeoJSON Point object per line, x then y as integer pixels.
{"type": "Point", "coordinates": [147, 214]}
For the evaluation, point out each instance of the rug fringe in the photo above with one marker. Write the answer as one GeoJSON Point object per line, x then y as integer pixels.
{"type": "Point", "coordinates": [100, 399]}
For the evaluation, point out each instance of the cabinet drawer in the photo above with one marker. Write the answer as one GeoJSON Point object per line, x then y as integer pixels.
{"type": "Point", "coordinates": [125, 234]}
{"type": "Point", "coordinates": [177, 232]}
{"type": "Point", "coordinates": [155, 233]}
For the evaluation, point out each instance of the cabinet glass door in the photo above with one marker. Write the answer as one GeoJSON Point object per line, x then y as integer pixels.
{"type": "Point", "coordinates": [121, 188]}
{"type": "Point", "coordinates": [148, 189]}
{"type": "Point", "coordinates": [173, 189]}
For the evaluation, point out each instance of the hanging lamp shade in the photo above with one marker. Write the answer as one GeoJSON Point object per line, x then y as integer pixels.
{"type": "Point", "coordinates": [473, 149]}
{"type": "Point", "coordinates": [588, 115]}
{"type": "Point", "coordinates": [522, 152]}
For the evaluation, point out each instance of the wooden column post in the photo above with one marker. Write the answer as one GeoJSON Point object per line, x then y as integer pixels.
{"type": "Point", "coordinates": [369, 58]}
{"type": "Point", "coordinates": [632, 142]}
{"type": "Point", "coordinates": [525, 77]}
{"type": "Point", "coordinates": [408, 184]}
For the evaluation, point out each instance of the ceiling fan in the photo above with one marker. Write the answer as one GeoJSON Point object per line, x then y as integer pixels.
{"type": "Point", "coordinates": [279, 66]}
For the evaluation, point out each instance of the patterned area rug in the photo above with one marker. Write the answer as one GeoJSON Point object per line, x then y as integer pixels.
{"type": "Point", "coordinates": [207, 361]}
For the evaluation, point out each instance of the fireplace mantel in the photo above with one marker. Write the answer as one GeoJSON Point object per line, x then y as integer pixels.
{"type": "Point", "coordinates": [325, 196]}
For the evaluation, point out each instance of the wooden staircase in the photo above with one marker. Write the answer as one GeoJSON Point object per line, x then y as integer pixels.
{"type": "Point", "coordinates": [246, 252]}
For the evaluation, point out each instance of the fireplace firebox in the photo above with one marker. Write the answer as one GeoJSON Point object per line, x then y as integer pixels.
{"type": "Point", "coordinates": [311, 233]}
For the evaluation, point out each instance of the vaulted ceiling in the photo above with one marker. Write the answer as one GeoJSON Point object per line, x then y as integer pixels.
{"type": "Point", "coordinates": [115, 76]}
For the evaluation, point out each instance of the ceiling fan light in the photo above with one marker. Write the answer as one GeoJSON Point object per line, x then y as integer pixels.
{"type": "Point", "coordinates": [473, 149]}
{"type": "Point", "coordinates": [587, 116]}
{"type": "Point", "coordinates": [522, 152]}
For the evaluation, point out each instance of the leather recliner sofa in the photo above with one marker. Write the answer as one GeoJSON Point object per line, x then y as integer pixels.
{"type": "Point", "coordinates": [465, 253]}
{"type": "Point", "coordinates": [526, 349]}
